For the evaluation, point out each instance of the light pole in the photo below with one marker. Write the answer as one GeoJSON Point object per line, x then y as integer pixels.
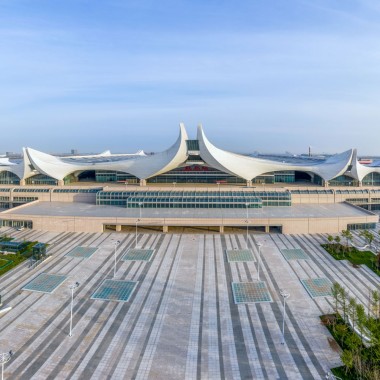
{"type": "Point", "coordinates": [259, 245]}
{"type": "Point", "coordinates": [284, 295]}
{"type": "Point", "coordinates": [4, 358]}
{"type": "Point", "coordinates": [72, 287]}
{"type": "Point", "coordinates": [114, 269]}
{"type": "Point", "coordinates": [246, 244]}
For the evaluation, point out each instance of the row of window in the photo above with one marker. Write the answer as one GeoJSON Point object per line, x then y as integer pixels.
{"type": "Point", "coordinates": [70, 190]}
{"type": "Point", "coordinates": [184, 193]}
{"type": "Point", "coordinates": [361, 226]}
{"type": "Point", "coordinates": [16, 223]}
{"type": "Point", "coordinates": [193, 205]}
{"type": "Point", "coordinates": [312, 191]}
{"type": "Point", "coordinates": [29, 190]}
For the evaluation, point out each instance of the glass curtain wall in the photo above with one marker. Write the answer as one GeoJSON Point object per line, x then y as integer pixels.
{"type": "Point", "coordinates": [8, 178]}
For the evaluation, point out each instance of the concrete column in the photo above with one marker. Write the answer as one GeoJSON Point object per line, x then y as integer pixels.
{"type": "Point", "coordinates": [61, 182]}
{"type": "Point", "coordinates": [326, 183]}
{"type": "Point", "coordinates": [221, 229]}
{"type": "Point", "coordinates": [22, 182]}
{"type": "Point", "coordinates": [165, 229]}
{"type": "Point", "coordinates": [118, 227]}
{"type": "Point", "coordinates": [267, 229]}
{"type": "Point", "coordinates": [142, 182]}
{"type": "Point", "coordinates": [249, 183]}
{"type": "Point", "coordinates": [360, 183]}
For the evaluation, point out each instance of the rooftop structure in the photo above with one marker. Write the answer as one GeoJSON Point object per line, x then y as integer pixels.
{"type": "Point", "coordinates": [187, 160]}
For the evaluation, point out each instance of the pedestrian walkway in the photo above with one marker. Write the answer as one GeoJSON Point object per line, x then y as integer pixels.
{"type": "Point", "coordinates": [198, 307]}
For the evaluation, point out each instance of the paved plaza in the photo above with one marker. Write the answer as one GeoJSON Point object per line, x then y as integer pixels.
{"type": "Point", "coordinates": [173, 315]}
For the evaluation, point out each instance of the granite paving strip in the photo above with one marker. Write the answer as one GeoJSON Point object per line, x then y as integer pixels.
{"type": "Point", "coordinates": [143, 368]}
{"type": "Point", "coordinates": [213, 348]}
{"type": "Point", "coordinates": [101, 349]}
{"type": "Point", "coordinates": [55, 326]}
{"type": "Point", "coordinates": [22, 304]}
{"type": "Point", "coordinates": [359, 291]}
{"type": "Point", "coordinates": [369, 276]}
{"type": "Point", "coordinates": [70, 350]}
{"type": "Point", "coordinates": [252, 350]}
{"type": "Point", "coordinates": [89, 325]}
{"type": "Point", "coordinates": [217, 311]}
{"type": "Point", "coordinates": [354, 275]}
{"type": "Point", "coordinates": [8, 278]}
{"type": "Point", "coordinates": [196, 314]}
{"type": "Point", "coordinates": [255, 327]}
{"type": "Point", "coordinates": [259, 334]}
{"type": "Point", "coordinates": [286, 364]}
{"type": "Point", "coordinates": [201, 316]}
{"type": "Point", "coordinates": [241, 350]}
{"type": "Point", "coordinates": [129, 363]}
{"type": "Point", "coordinates": [125, 340]}
{"type": "Point", "coordinates": [58, 321]}
{"type": "Point", "coordinates": [299, 359]}
{"type": "Point", "coordinates": [226, 344]}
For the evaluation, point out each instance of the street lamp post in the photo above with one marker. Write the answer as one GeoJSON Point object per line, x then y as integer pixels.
{"type": "Point", "coordinates": [114, 269]}
{"type": "Point", "coordinates": [259, 245]}
{"type": "Point", "coordinates": [72, 287]}
{"type": "Point", "coordinates": [246, 244]}
{"type": "Point", "coordinates": [284, 295]}
{"type": "Point", "coordinates": [4, 358]}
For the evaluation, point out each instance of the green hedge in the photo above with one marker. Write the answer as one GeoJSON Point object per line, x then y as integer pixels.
{"type": "Point", "coordinates": [353, 255]}
{"type": "Point", "coordinates": [15, 259]}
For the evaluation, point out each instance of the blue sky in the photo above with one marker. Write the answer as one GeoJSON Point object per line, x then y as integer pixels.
{"type": "Point", "coordinates": [271, 76]}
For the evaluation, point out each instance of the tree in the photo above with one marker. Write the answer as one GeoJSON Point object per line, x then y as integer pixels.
{"type": "Point", "coordinates": [377, 261]}
{"type": "Point", "coordinates": [361, 318]}
{"type": "Point", "coordinates": [375, 303]}
{"type": "Point", "coordinates": [335, 290]}
{"type": "Point", "coordinates": [330, 239]}
{"type": "Point", "coordinates": [343, 301]}
{"type": "Point", "coordinates": [341, 332]}
{"type": "Point", "coordinates": [352, 311]}
{"type": "Point", "coordinates": [368, 236]}
{"type": "Point", "coordinates": [347, 359]}
{"type": "Point", "coordinates": [348, 236]}
{"type": "Point", "coordinates": [337, 241]}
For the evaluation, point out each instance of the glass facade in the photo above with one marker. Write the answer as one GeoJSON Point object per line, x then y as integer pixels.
{"type": "Point", "coordinates": [28, 190]}
{"type": "Point", "coordinates": [195, 174]}
{"type": "Point", "coordinates": [312, 191]}
{"type": "Point", "coordinates": [285, 176]}
{"type": "Point", "coordinates": [343, 180]}
{"type": "Point", "coordinates": [41, 179]}
{"type": "Point", "coordinates": [8, 178]}
{"type": "Point", "coordinates": [193, 199]}
{"type": "Point", "coordinates": [361, 226]}
{"type": "Point", "coordinates": [352, 191]}
{"type": "Point", "coordinates": [113, 176]}
{"type": "Point", "coordinates": [192, 145]}
{"type": "Point", "coordinates": [371, 179]}
{"type": "Point", "coordinates": [16, 223]}
{"type": "Point", "coordinates": [70, 190]}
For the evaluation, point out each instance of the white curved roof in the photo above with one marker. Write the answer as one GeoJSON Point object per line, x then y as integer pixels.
{"type": "Point", "coordinates": [145, 166]}
{"type": "Point", "coordinates": [140, 165]}
{"type": "Point", "coordinates": [359, 171]}
{"type": "Point", "coordinates": [250, 167]}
